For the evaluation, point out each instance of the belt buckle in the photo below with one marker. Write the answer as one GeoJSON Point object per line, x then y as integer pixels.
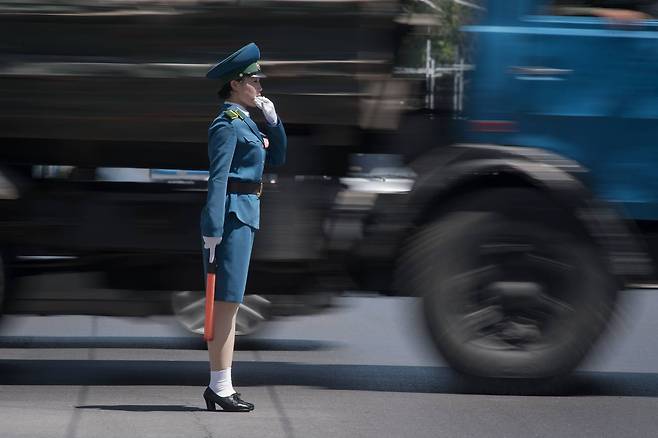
{"type": "Point", "coordinates": [260, 190]}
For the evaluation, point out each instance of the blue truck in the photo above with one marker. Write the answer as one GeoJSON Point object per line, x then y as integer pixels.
{"type": "Point", "coordinates": [520, 236]}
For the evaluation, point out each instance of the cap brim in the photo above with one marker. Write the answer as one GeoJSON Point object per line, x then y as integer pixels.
{"type": "Point", "coordinates": [235, 63]}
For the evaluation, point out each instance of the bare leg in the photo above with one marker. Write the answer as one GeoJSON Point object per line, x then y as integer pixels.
{"type": "Point", "coordinates": [220, 349]}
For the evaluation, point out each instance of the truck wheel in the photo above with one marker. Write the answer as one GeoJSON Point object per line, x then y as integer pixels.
{"type": "Point", "coordinates": [511, 288]}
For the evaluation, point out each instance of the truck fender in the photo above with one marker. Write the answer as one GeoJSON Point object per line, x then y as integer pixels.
{"type": "Point", "coordinates": [467, 168]}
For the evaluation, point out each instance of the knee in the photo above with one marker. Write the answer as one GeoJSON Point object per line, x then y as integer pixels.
{"type": "Point", "coordinates": [226, 308]}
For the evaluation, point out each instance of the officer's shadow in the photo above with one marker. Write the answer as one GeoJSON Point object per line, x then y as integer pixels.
{"type": "Point", "coordinates": [144, 408]}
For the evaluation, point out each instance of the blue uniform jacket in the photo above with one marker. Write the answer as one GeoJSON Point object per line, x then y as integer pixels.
{"type": "Point", "coordinates": [236, 150]}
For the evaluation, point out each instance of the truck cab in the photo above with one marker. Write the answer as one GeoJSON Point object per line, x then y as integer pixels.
{"type": "Point", "coordinates": [582, 87]}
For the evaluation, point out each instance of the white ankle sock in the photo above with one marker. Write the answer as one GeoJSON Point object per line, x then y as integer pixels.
{"type": "Point", "coordinates": [220, 382]}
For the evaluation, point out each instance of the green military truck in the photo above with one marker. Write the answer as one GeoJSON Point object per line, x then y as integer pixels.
{"type": "Point", "coordinates": [103, 103]}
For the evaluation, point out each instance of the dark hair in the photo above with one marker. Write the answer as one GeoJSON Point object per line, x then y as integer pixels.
{"type": "Point", "coordinates": [225, 92]}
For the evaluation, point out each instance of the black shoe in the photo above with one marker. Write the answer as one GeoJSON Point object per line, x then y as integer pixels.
{"type": "Point", "coordinates": [238, 397]}
{"type": "Point", "coordinates": [230, 403]}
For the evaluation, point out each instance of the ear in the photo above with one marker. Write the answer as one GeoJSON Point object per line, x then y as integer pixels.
{"type": "Point", "coordinates": [234, 84]}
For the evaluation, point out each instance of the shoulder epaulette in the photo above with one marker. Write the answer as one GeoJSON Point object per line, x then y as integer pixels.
{"type": "Point", "coordinates": [233, 114]}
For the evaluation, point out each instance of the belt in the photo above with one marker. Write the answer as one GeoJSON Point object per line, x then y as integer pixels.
{"type": "Point", "coordinates": [245, 188]}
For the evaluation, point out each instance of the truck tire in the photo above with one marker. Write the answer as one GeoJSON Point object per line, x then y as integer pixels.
{"type": "Point", "coordinates": [511, 286]}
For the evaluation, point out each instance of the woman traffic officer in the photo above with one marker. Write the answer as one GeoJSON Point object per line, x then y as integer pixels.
{"type": "Point", "coordinates": [238, 152]}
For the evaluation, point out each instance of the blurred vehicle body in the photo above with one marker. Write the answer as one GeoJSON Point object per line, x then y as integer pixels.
{"type": "Point", "coordinates": [520, 237]}
{"type": "Point", "coordinates": [517, 239]}
{"type": "Point", "coordinates": [122, 83]}
{"type": "Point", "coordinates": [95, 95]}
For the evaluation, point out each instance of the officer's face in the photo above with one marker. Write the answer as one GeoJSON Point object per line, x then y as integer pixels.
{"type": "Point", "coordinates": [246, 91]}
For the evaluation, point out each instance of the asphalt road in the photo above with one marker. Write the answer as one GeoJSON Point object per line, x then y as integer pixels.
{"type": "Point", "coordinates": [364, 369]}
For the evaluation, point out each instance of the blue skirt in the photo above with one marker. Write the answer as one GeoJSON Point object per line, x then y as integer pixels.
{"type": "Point", "coordinates": [232, 256]}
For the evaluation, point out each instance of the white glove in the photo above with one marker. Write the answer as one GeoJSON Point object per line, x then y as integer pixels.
{"type": "Point", "coordinates": [210, 243]}
{"type": "Point", "coordinates": [267, 107]}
